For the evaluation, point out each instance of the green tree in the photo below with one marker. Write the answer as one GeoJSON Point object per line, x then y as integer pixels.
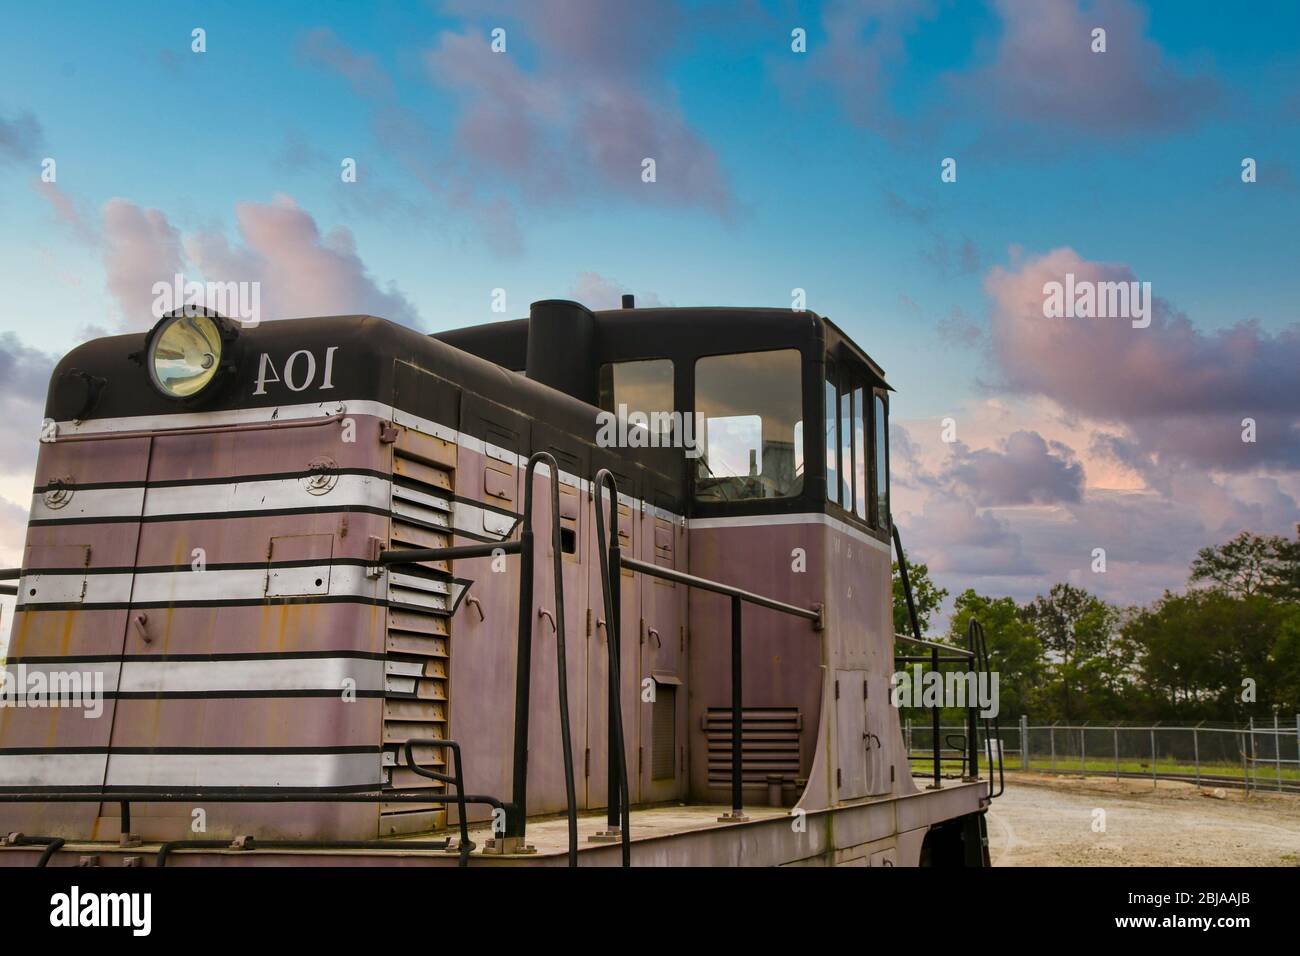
{"type": "Point", "coordinates": [1015, 652]}
{"type": "Point", "coordinates": [1251, 564]}
{"type": "Point", "coordinates": [1076, 630]}
{"type": "Point", "coordinates": [1196, 649]}
{"type": "Point", "coordinates": [925, 593]}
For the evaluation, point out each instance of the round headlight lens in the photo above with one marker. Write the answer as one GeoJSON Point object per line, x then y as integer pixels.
{"type": "Point", "coordinates": [185, 355]}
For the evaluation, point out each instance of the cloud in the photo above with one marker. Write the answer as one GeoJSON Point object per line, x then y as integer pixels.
{"type": "Point", "coordinates": [323, 48]}
{"type": "Point", "coordinates": [21, 138]}
{"type": "Point", "coordinates": [1179, 392]}
{"type": "Point", "coordinates": [592, 108]}
{"type": "Point", "coordinates": [1045, 73]}
{"type": "Point", "coordinates": [24, 379]}
{"type": "Point", "coordinates": [140, 248]}
{"type": "Point", "coordinates": [1025, 469]}
{"type": "Point", "coordinates": [863, 44]}
{"type": "Point", "coordinates": [301, 271]}
{"type": "Point", "coordinates": [66, 211]}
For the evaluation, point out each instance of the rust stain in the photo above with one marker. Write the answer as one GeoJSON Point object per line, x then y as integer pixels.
{"type": "Point", "coordinates": [65, 640]}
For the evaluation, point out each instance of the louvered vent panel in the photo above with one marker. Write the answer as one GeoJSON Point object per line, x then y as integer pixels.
{"type": "Point", "coordinates": [663, 753]}
{"type": "Point", "coordinates": [769, 744]}
{"type": "Point", "coordinates": [418, 660]}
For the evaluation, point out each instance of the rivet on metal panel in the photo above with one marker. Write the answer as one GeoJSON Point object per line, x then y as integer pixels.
{"type": "Point", "coordinates": [387, 433]}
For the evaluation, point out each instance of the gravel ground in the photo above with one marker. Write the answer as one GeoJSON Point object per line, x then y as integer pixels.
{"type": "Point", "coordinates": [1049, 820]}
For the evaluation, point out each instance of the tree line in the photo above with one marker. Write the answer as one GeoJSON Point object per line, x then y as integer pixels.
{"type": "Point", "coordinates": [1226, 648]}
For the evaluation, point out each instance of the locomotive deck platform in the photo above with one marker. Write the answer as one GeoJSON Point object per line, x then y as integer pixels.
{"type": "Point", "coordinates": [665, 835]}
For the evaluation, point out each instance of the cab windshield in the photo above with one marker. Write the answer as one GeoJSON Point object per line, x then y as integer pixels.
{"type": "Point", "coordinates": [750, 405]}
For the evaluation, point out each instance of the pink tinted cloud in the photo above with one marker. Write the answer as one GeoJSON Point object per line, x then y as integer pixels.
{"type": "Point", "coordinates": [66, 211]}
{"type": "Point", "coordinates": [140, 248]}
{"type": "Point", "coordinates": [300, 270]}
{"type": "Point", "coordinates": [592, 109]}
{"type": "Point", "coordinates": [1045, 72]}
{"type": "Point", "coordinates": [1179, 391]}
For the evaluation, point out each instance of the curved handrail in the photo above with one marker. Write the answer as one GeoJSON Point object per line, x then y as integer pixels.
{"type": "Point", "coordinates": [456, 779]}
{"type": "Point", "coordinates": [562, 681]}
{"type": "Point", "coordinates": [607, 547]}
{"type": "Point", "coordinates": [979, 647]}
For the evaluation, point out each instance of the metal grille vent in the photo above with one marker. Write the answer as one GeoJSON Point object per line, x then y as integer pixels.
{"type": "Point", "coordinates": [417, 665]}
{"type": "Point", "coordinates": [769, 741]}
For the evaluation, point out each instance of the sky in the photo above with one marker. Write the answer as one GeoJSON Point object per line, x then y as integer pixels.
{"type": "Point", "coordinates": [796, 146]}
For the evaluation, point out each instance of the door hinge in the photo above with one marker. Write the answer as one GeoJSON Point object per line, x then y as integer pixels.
{"type": "Point", "coordinates": [839, 777]}
{"type": "Point", "coordinates": [586, 763]}
{"type": "Point", "coordinates": [837, 689]}
{"type": "Point", "coordinates": [639, 752]}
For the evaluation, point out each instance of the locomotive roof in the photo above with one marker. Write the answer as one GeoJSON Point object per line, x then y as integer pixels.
{"type": "Point", "coordinates": [627, 334]}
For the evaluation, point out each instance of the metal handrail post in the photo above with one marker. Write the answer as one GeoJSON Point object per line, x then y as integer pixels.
{"type": "Point", "coordinates": [737, 718]}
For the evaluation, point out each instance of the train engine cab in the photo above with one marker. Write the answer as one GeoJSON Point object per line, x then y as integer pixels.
{"type": "Point", "coordinates": [218, 540]}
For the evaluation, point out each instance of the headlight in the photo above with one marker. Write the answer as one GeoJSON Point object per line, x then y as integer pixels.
{"type": "Point", "coordinates": [184, 354]}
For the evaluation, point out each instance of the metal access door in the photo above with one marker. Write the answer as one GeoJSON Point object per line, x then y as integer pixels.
{"type": "Point", "coordinates": [851, 778]}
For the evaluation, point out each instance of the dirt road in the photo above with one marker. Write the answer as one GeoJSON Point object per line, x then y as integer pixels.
{"type": "Point", "coordinates": [1046, 820]}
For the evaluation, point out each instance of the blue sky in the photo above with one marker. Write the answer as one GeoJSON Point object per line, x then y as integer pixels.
{"type": "Point", "coordinates": [776, 170]}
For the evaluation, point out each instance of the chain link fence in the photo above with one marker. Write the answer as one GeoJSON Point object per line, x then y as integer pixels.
{"type": "Point", "coordinates": [1256, 756]}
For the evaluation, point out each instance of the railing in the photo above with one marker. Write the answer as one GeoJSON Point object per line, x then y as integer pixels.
{"type": "Point", "coordinates": [611, 561]}
{"type": "Point", "coordinates": [975, 656]}
{"type": "Point", "coordinates": [1254, 756]}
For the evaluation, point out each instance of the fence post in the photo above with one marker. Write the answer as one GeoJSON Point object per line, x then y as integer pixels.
{"type": "Point", "coordinates": [1024, 740]}
{"type": "Point", "coordinates": [1154, 783]}
{"type": "Point", "coordinates": [1277, 748]}
{"type": "Point", "coordinates": [1297, 741]}
{"type": "Point", "coordinates": [1254, 760]}
{"type": "Point", "coordinates": [1196, 754]}
{"type": "Point", "coordinates": [1052, 735]}
{"type": "Point", "coordinates": [1083, 747]}
{"type": "Point", "coordinates": [1116, 753]}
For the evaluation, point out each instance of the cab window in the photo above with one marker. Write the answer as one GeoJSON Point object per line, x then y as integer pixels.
{"type": "Point", "coordinates": [857, 466]}
{"type": "Point", "coordinates": [644, 387]}
{"type": "Point", "coordinates": [750, 407]}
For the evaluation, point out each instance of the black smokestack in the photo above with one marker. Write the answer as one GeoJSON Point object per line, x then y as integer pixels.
{"type": "Point", "coordinates": [562, 348]}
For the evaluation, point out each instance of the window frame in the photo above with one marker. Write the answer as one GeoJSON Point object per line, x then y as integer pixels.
{"type": "Point", "coordinates": [848, 380]}
{"type": "Point", "coordinates": [741, 505]}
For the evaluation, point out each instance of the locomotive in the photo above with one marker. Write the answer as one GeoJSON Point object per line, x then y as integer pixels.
{"type": "Point", "coordinates": [355, 594]}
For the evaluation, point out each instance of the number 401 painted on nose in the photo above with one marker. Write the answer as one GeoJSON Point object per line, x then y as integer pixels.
{"type": "Point", "coordinates": [295, 371]}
